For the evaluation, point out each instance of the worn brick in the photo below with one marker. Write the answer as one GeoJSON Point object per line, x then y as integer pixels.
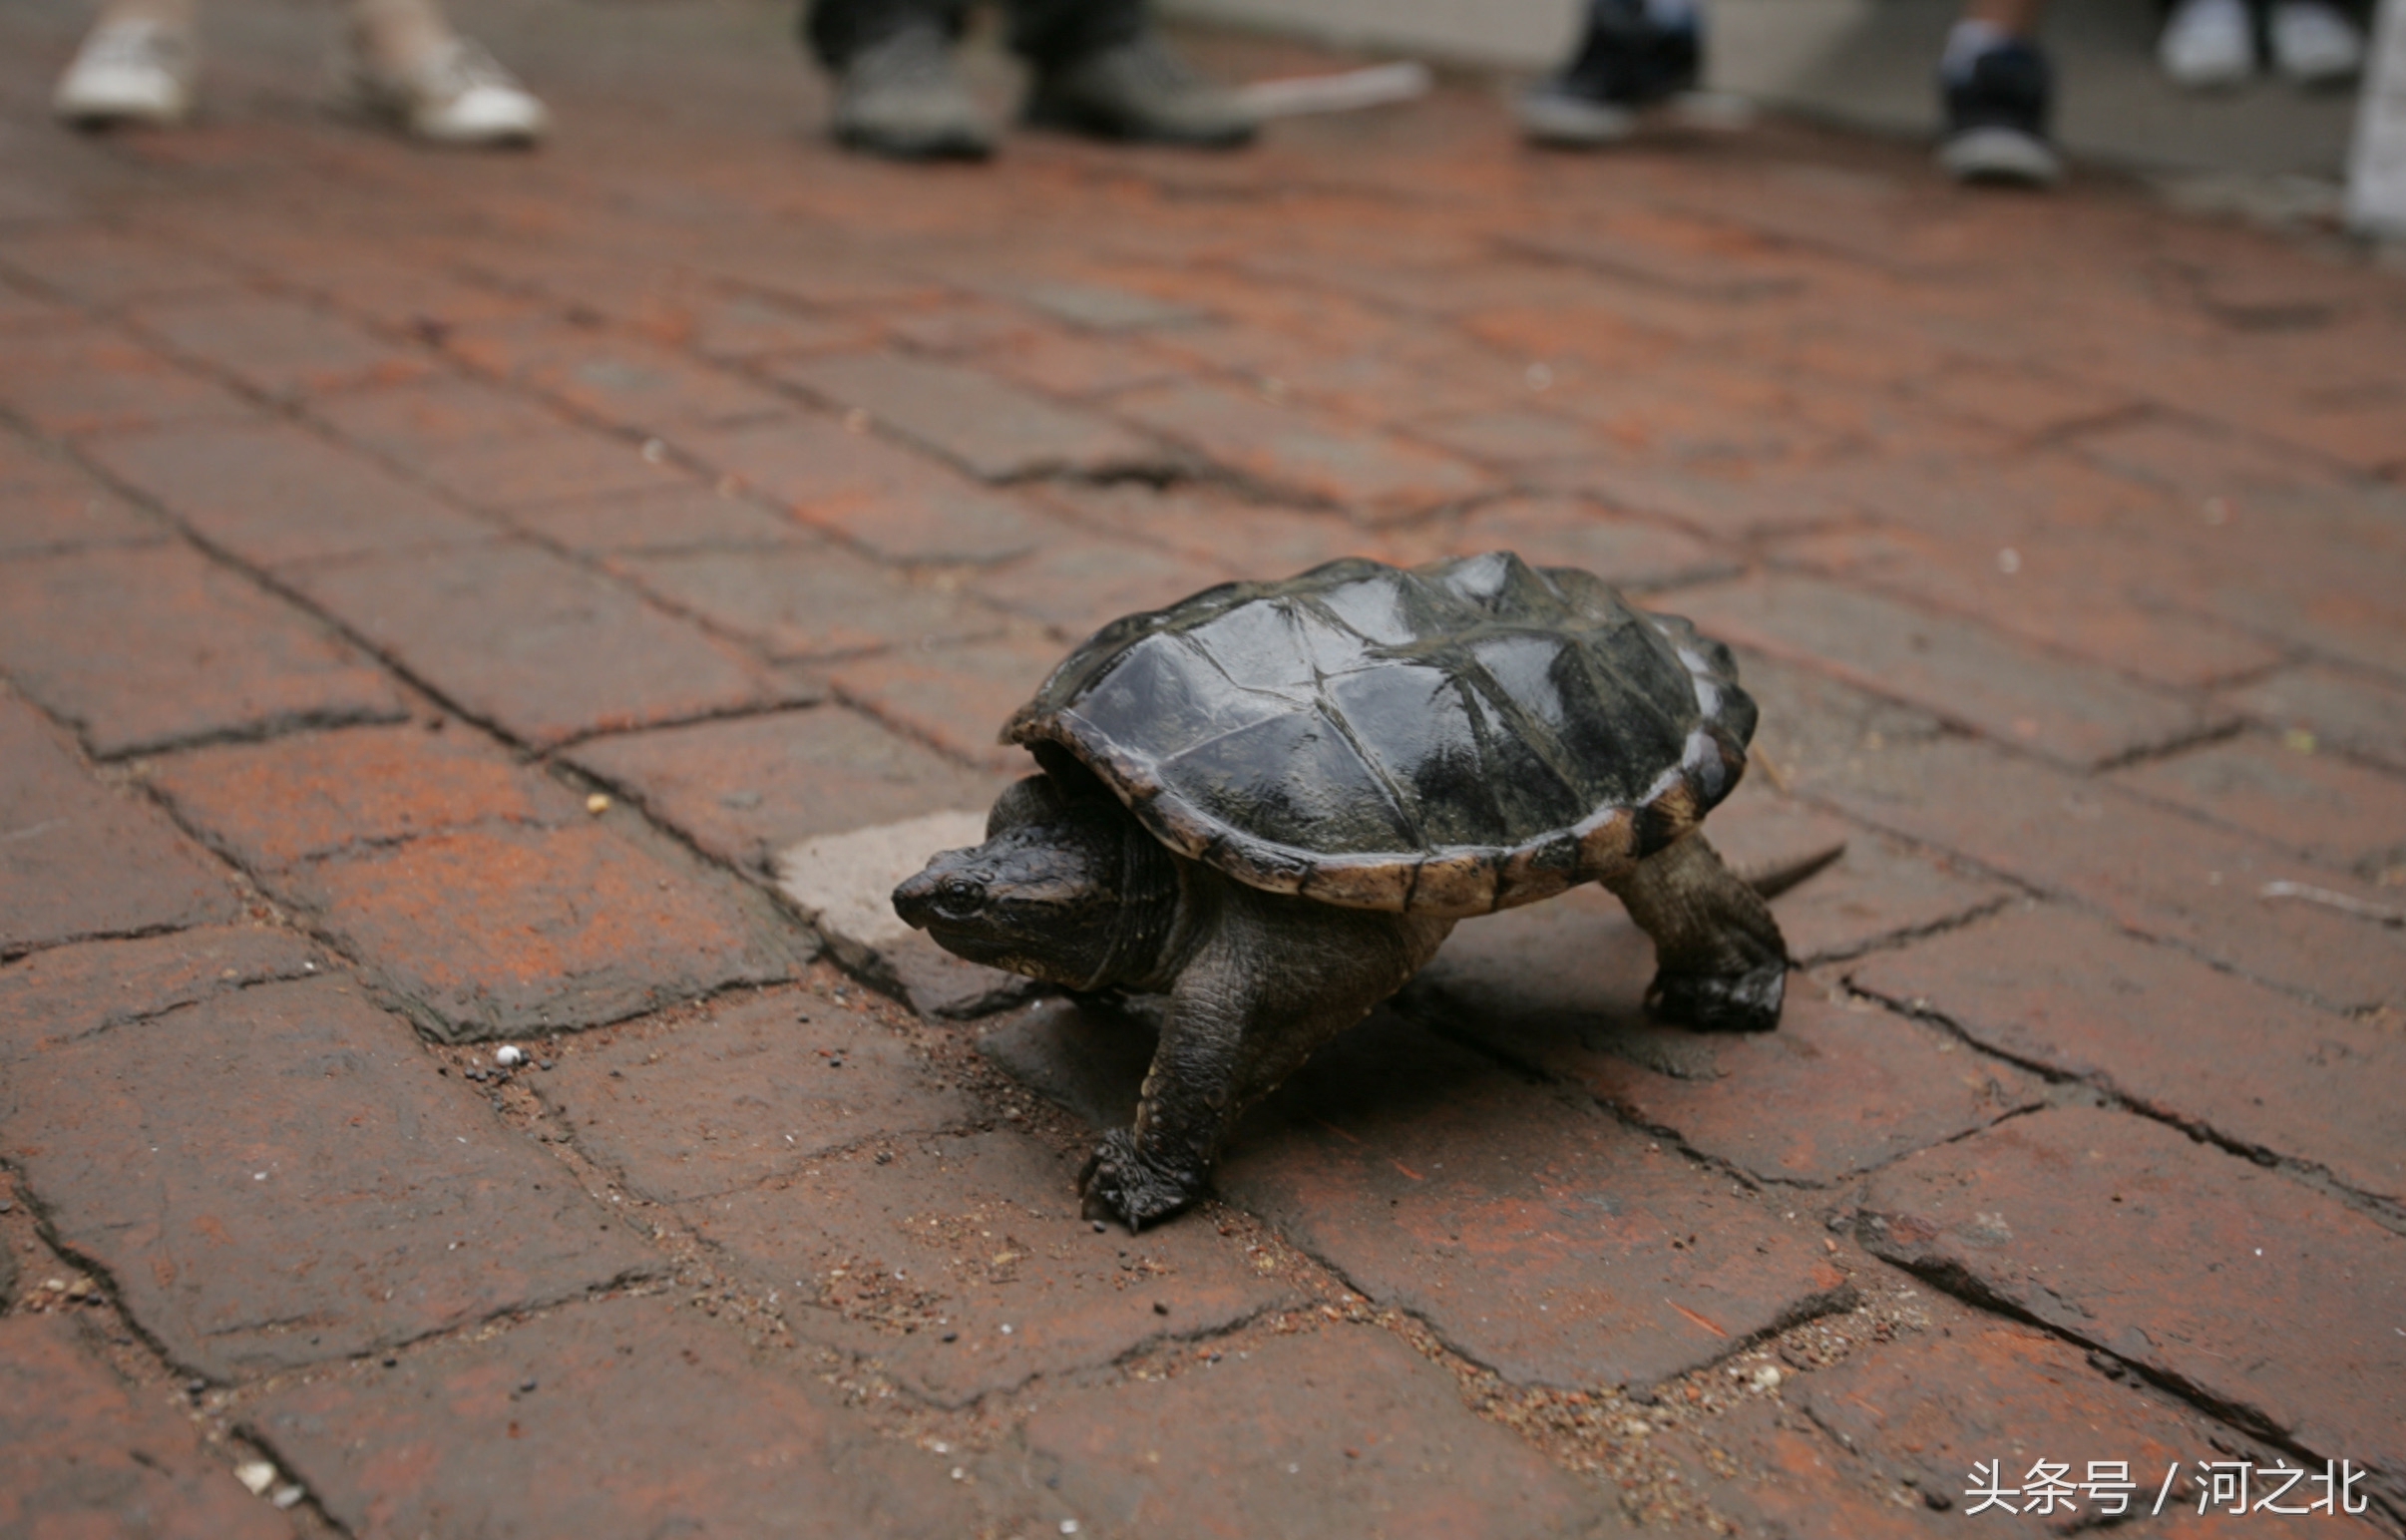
{"type": "Point", "coordinates": [2028, 402]}
{"type": "Point", "coordinates": [492, 448]}
{"type": "Point", "coordinates": [274, 494]}
{"type": "Point", "coordinates": [1102, 307]}
{"type": "Point", "coordinates": [77, 381]}
{"type": "Point", "coordinates": [985, 1233]}
{"type": "Point", "coordinates": [1768, 1470]}
{"type": "Point", "coordinates": [884, 498]}
{"type": "Point", "coordinates": [2151, 871]}
{"type": "Point", "coordinates": [1816, 730]}
{"type": "Point", "coordinates": [539, 646]}
{"type": "Point", "coordinates": [1089, 1057]}
{"type": "Point", "coordinates": [1569, 532]}
{"type": "Point", "coordinates": [1077, 587]}
{"type": "Point", "coordinates": [2177, 1038]}
{"type": "Point", "coordinates": [995, 430]}
{"type": "Point", "coordinates": [742, 790]}
{"type": "Point", "coordinates": [146, 648]}
{"type": "Point", "coordinates": [1543, 1240]}
{"type": "Point", "coordinates": [624, 381]}
{"type": "Point", "coordinates": [637, 1423]}
{"type": "Point", "coordinates": [809, 598]}
{"type": "Point", "coordinates": [1075, 366]}
{"type": "Point", "coordinates": [1367, 474]}
{"type": "Point", "coordinates": [79, 860]}
{"type": "Point", "coordinates": [953, 697]}
{"type": "Point", "coordinates": [103, 267]}
{"type": "Point", "coordinates": [46, 506]}
{"type": "Point", "coordinates": [682, 516]}
{"type": "Point", "coordinates": [751, 1090]}
{"type": "Point", "coordinates": [1341, 1432]}
{"type": "Point", "coordinates": [494, 929]}
{"type": "Point", "coordinates": [1510, 437]}
{"type": "Point", "coordinates": [2322, 806]}
{"type": "Point", "coordinates": [82, 1454]}
{"type": "Point", "coordinates": [276, 346]}
{"type": "Point", "coordinates": [271, 805]}
{"type": "Point", "coordinates": [2354, 713]}
{"type": "Point", "coordinates": [73, 991]}
{"type": "Point", "coordinates": [1215, 525]}
{"type": "Point", "coordinates": [1955, 669]}
{"type": "Point", "coordinates": [1875, 893]}
{"type": "Point", "coordinates": [2126, 1235]}
{"type": "Point", "coordinates": [275, 1177]}
{"type": "Point", "coordinates": [743, 326]}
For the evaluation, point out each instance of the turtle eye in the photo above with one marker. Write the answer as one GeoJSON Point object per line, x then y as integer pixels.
{"type": "Point", "coordinates": [956, 898]}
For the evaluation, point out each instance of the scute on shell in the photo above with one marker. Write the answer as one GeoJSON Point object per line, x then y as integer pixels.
{"type": "Point", "coordinates": [1444, 740]}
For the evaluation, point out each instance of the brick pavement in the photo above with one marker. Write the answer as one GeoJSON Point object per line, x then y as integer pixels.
{"type": "Point", "coordinates": [434, 590]}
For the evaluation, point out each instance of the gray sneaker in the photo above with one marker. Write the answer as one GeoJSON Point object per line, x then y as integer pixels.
{"type": "Point", "coordinates": [1139, 90]}
{"type": "Point", "coordinates": [901, 96]}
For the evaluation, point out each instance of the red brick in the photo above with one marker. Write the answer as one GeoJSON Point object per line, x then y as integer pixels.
{"type": "Point", "coordinates": [637, 1422]}
{"type": "Point", "coordinates": [624, 381]}
{"type": "Point", "coordinates": [1077, 588]}
{"type": "Point", "coordinates": [745, 789]}
{"type": "Point", "coordinates": [1877, 893]}
{"type": "Point", "coordinates": [994, 430]}
{"type": "Point", "coordinates": [539, 646]}
{"type": "Point", "coordinates": [953, 697]}
{"type": "Point", "coordinates": [74, 383]}
{"type": "Point", "coordinates": [1341, 1432]}
{"type": "Point", "coordinates": [273, 494]}
{"type": "Point", "coordinates": [486, 932]}
{"type": "Point", "coordinates": [275, 346]}
{"type": "Point", "coordinates": [682, 517]}
{"type": "Point", "coordinates": [1216, 526]}
{"type": "Point", "coordinates": [2175, 1037]}
{"type": "Point", "coordinates": [984, 1231]}
{"type": "Point", "coordinates": [146, 648]}
{"type": "Point", "coordinates": [2353, 712]}
{"type": "Point", "coordinates": [2317, 804]}
{"type": "Point", "coordinates": [102, 267]}
{"type": "Point", "coordinates": [885, 500]}
{"type": "Point", "coordinates": [1791, 1479]}
{"type": "Point", "coordinates": [1509, 438]}
{"type": "Point", "coordinates": [743, 326]}
{"type": "Point", "coordinates": [962, 326]}
{"type": "Point", "coordinates": [1957, 670]}
{"type": "Point", "coordinates": [271, 805]}
{"type": "Point", "coordinates": [1367, 474]}
{"type": "Point", "coordinates": [2148, 869]}
{"type": "Point", "coordinates": [70, 992]}
{"type": "Point", "coordinates": [808, 598]}
{"type": "Point", "coordinates": [2128, 1237]}
{"type": "Point", "coordinates": [2198, 459]}
{"type": "Point", "coordinates": [277, 1177]}
{"type": "Point", "coordinates": [1066, 364]}
{"type": "Point", "coordinates": [80, 1454]}
{"type": "Point", "coordinates": [491, 448]}
{"type": "Point", "coordinates": [1669, 249]}
{"type": "Point", "coordinates": [1099, 307]}
{"type": "Point", "coordinates": [752, 1090]}
{"type": "Point", "coordinates": [48, 505]}
{"type": "Point", "coordinates": [1571, 532]}
{"type": "Point", "coordinates": [1543, 1240]}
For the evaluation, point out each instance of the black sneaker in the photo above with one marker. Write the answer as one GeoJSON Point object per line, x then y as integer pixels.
{"type": "Point", "coordinates": [900, 97]}
{"type": "Point", "coordinates": [1996, 118]}
{"type": "Point", "coordinates": [1626, 61]}
{"type": "Point", "coordinates": [1141, 92]}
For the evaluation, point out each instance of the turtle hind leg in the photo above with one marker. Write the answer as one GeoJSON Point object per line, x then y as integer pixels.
{"type": "Point", "coordinates": [1722, 964]}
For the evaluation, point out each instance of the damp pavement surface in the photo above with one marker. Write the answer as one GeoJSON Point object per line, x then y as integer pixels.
{"type": "Point", "coordinates": [452, 604]}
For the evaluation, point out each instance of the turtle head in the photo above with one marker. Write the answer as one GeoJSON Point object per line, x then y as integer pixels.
{"type": "Point", "coordinates": [1058, 891]}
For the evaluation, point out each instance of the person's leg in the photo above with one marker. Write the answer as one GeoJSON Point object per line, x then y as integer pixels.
{"type": "Point", "coordinates": [1103, 70]}
{"type": "Point", "coordinates": [2314, 43]}
{"type": "Point", "coordinates": [2206, 42]}
{"type": "Point", "coordinates": [897, 92]}
{"type": "Point", "coordinates": [1631, 54]}
{"type": "Point", "coordinates": [1998, 93]}
{"type": "Point", "coordinates": [139, 63]}
{"type": "Point", "coordinates": [408, 62]}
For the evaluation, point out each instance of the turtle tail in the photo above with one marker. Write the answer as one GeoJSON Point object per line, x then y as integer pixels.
{"type": "Point", "coordinates": [1776, 877]}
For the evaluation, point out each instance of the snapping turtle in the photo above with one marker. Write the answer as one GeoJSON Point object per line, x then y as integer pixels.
{"type": "Point", "coordinates": [1273, 800]}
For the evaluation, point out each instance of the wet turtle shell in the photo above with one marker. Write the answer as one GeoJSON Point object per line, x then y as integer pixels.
{"type": "Point", "coordinates": [1445, 740]}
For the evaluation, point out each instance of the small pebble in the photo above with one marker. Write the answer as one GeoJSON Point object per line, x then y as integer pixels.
{"type": "Point", "coordinates": [952, 1336]}
{"type": "Point", "coordinates": [509, 1056]}
{"type": "Point", "coordinates": [256, 1475]}
{"type": "Point", "coordinates": [1160, 1308]}
{"type": "Point", "coordinates": [597, 804]}
{"type": "Point", "coordinates": [286, 1496]}
{"type": "Point", "coordinates": [391, 1363]}
{"type": "Point", "coordinates": [526, 1387]}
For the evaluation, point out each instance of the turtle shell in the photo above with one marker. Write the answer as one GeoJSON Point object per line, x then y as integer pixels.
{"type": "Point", "coordinates": [1445, 740]}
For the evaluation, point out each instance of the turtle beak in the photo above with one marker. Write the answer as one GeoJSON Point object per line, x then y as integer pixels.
{"type": "Point", "coordinates": [915, 900]}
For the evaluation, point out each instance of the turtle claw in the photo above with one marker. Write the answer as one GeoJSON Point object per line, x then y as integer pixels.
{"type": "Point", "coordinates": [1119, 1184]}
{"type": "Point", "coordinates": [1720, 1003]}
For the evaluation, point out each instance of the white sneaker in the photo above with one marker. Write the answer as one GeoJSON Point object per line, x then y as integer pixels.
{"type": "Point", "coordinates": [2314, 44]}
{"type": "Point", "coordinates": [457, 94]}
{"type": "Point", "coordinates": [137, 70]}
{"type": "Point", "coordinates": [2208, 43]}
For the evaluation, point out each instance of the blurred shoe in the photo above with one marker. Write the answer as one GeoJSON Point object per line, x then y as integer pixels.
{"type": "Point", "coordinates": [901, 96]}
{"type": "Point", "coordinates": [137, 70]}
{"type": "Point", "coordinates": [2313, 43]}
{"type": "Point", "coordinates": [2208, 43]}
{"type": "Point", "coordinates": [1140, 90]}
{"type": "Point", "coordinates": [1996, 118]}
{"type": "Point", "coordinates": [1629, 58]}
{"type": "Point", "coordinates": [453, 94]}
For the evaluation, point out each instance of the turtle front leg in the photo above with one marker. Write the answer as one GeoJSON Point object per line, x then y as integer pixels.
{"type": "Point", "coordinates": [1720, 962]}
{"type": "Point", "coordinates": [1275, 979]}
